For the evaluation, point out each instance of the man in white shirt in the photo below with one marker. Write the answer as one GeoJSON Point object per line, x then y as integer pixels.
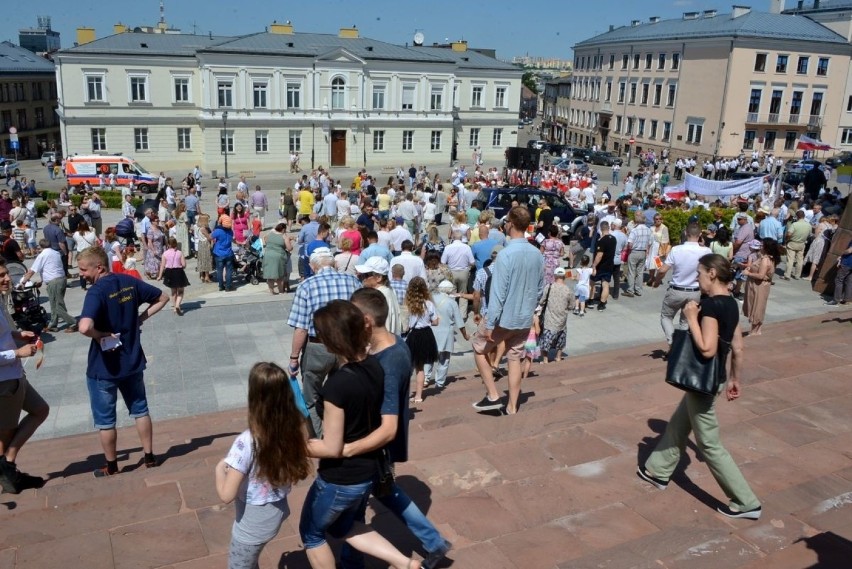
{"type": "Point", "coordinates": [343, 204]}
{"type": "Point", "coordinates": [459, 259]}
{"type": "Point", "coordinates": [683, 286]}
{"type": "Point", "coordinates": [589, 198]}
{"type": "Point", "coordinates": [242, 186]}
{"type": "Point", "coordinates": [413, 264]}
{"type": "Point", "coordinates": [329, 205]}
{"type": "Point", "coordinates": [398, 234]}
{"type": "Point", "coordinates": [170, 195]}
{"type": "Point", "coordinates": [49, 265]}
{"type": "Point", "coordinates": [408, 212]}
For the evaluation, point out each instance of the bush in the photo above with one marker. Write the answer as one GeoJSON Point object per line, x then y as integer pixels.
{"type": "Point", "coordinates": [108, 200]}
{"type": "Point", "coordinates": [677, 220]}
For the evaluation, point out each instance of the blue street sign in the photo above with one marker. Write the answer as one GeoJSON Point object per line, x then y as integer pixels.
{"type": "Point", "coordinates": [14, 145]}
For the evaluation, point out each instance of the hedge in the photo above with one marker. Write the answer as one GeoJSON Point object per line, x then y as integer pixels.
{"type": "Point", "coordinates": [108, 201]}
{"type": "Point", "coordinates": [677, 219]}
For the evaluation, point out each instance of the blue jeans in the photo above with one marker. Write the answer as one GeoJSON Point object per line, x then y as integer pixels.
{"type": "Point", "coordinates": [103, 394]}
{"type": "Point", "coordinates": [331, 508]}
{"type": "Point", "coordinates": [404, 508]}
{"type": "Point", "coordinates": [615, 178]}
{"type": "Point", "coordinates": [227, 264]}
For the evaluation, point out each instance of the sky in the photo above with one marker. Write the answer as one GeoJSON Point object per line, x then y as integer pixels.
{"type": "Point", "coordinates": [512, 27]}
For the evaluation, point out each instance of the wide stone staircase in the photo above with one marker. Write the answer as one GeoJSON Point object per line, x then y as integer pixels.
{"type": "Point", "coordinates": [552, 487]}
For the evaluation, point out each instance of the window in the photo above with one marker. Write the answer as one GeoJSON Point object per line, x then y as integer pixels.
{"type": "Point", "coordinates": [760, 62]}
{"type": "Point", "coordinates": [618, 123]}
{"type": "Point", "coordinates": [846, 136]}
{"type": "Point", "coordinates": [661, 61]}
{"type": "Point", "coordinates": [621, 87]}
{"type": "Point", "coordinates": [645, 88]}
{"type": "Point", "coordinates": [611, 62]}
{"type": "Point", "coordinates": [649, 60]}
{"type": "Point", "coordinates": [675, 61]}
{"type": "Point", "coordinates": [226, 141]}
{"type": "Point", "coordinates": [769, 140]}
{"type": "Point", "coordinates": [608, 96]}
{"type": "Point", "coordinates": [294, 95]}
{"type": "Point", "coordinates": [473, 140]}
{"type": "Point", "coordinates": [748, 139]}
{"type": "Point", "coordinates": [658, 94]}
{"type": "Point", "coordinates": [22, 119]}
{"type": "Point", "coordinates": [379, 100]}
{"type": "Point", "coordinates": [338, 93]}
{"type": "Point", "coordinates": [653, 133]}
{"type": "Point", "coordinates": [476, 96]}
{"type": "Point", "coordinates": [497, 138]}
{"type": "Point", "coordinates": [500, 97]}
{"type": "Point", "coordinates": [822, 66]}
{"type": "Point", "coordinates": [184, 139]}
{"type": "Point", "coordinates": [781, 64]}
{"type": "Point", "coordinates": [636, 59]}
{"type": "Point", "coordinates": [754, 102]}
{"type": "Point", "coordinates": [624, 59]}
{"type": "Point", "coordinates": [99, 140]}
{"type": "Point", "coordinates": [435, 143]}
{"type": "Point", "coordinates": [629, 129]}
{"type": "Point", "coordinates": [39, 117]}
{"type": "Point", "coordinates": [436, 98]}
{"type": "Point", "coordinates": [225, 91]}
{"type": "Point", "coordinates": [816, 105]}
{"type": "Point", "coordinates": [259, 92]}
{"type": "Point", "coordinates": [849, 104]}
{"type": "Point", "coordinates": [667, 131]}
{"type": "Point", "coordinates": [38, 93]}
{"type": "Point", "coordinates": [138, 89]}
{"type": "Point", "coordinates": [796, 106]}
{"type": "Point", "coordinates": [694, 132]}
{"type": "Point", "coordinates": [181, 89]}
{"type": "Point", "coordinates": [790, 139]}
{"type": "Point", "coordinates": [407, 140]}
{"type": "Point", "coordinates": [378, 140]}
{"type": "Point", "coordinates": [775, 104]}
{"type": "Point", "coordinates": [802, 66]}
{"type": "Point", "coordinates": [294, 140]}
{"type": "Point", "coordinates": [94, 89]}
{"type": "Point", "coordinates": [408, 92]}
{"type": "Point", "coordinates": [6, 119]}
{"type": "Point", "coordinates": [670, 100]}
{"type": "Point", "coordinates": [140, 139]}
{"type": "Point", "coordinates": [632, 93]}
{"type": "Point", "coordinates": [261, 141]}
{"type": "Point", "coordinates": [640, 130]}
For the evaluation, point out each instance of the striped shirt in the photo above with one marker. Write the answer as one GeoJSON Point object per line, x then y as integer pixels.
{"type": "Point", "coordinates": [640, 237]}
{"type": "Point", "coordinates": [317, 291]}
{"type": "Point", "coordinates": [399, 287]}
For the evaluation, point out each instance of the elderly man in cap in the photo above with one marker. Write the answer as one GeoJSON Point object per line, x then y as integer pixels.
{"type": "Point", "coordinates": [450, 320]}
{"type": "Point", "coordinates": [307, 353]}
{"type": "Point", "coordinates": [373, 273]}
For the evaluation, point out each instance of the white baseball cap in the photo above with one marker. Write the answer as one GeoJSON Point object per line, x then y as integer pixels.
{"type": "Point", "coordinates": [374, 265]}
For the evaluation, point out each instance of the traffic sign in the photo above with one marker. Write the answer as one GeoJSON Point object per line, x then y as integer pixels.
{"type": "Point", "coordinates": [13, 130]}
{"type": "Point", "coordinates": [632, 140]}
{"type": "Point", "coordinates": [14, 144]}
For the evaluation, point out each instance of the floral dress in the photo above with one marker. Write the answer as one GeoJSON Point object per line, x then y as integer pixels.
{"type": "Point", "coordinates": [553, 251]}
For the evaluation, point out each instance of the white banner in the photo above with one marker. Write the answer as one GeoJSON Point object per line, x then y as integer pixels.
{"type": "Point", "coordinates": [703, 187]}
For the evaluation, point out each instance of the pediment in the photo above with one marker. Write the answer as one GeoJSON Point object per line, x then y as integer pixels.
{"type": "Point", "coordinates": [341, 55]}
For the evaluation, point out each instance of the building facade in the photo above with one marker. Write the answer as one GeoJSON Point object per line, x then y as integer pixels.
{"type": "Point", "coordinates": [27, 102]}
{"type": "Point", "coordinates": [708, 84]}
{"type": "Point", "coordinates": [176, 100]}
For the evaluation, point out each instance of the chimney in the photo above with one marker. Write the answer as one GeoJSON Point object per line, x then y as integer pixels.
{"type": "Point", "coordinates": [816, 4]}
{"type": "Point", "coordinates": [635, 23]}
{"type": "Point", "coordinates": [119, 28]}
{"type": "Point", "coordinates": [85, 35]}
{"type": "Point", "coordinates": [348, 33]}
{"type": "Point", "coordinates": [800, 5]}
{"type": "Point", "coordinates": [611, 27]}
{"type": "Point", "coordinates": [654, 19]}
{"type": "Point", "coordinates": [690, 15]}
{"type": "Point", "coordinates": [776, 6]}
{"type": "Point", "coordinates": [276, 28]}
{"type": "Point", "coordinates": [460, 45]}
{"type": "Point", "coordinates": [737, 11]}
{"type": "Point", "coordinates": [709, 13]}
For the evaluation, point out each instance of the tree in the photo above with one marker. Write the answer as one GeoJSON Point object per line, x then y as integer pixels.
{"type": "Point", "coordinates": [529, 81]}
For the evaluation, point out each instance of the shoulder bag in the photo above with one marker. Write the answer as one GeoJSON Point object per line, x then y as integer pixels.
{"type": "Point", "coordinates": [625, 252]}
{"type": "Point", "coordinates": [543, 305]}
{"type": "Point", "coordinates": [690, 371]}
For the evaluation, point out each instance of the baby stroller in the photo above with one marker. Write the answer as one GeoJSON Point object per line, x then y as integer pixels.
{"type": "Point", "coordinates": [26, 309]}
{"type": "Point", "coordinates": [126, 230]}
{"type": "Point", "coordinates": [249, 259]}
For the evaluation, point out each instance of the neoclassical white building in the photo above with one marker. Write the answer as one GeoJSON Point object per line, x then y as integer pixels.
{"type": "Point", "coordinates": [176, 100]}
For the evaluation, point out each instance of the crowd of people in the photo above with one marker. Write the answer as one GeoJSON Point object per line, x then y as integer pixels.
{"type": "Point", "coordinates": [386, 277]}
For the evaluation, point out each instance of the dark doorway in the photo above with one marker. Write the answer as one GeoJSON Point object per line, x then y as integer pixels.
{"type": "Point", "coordinates": [338, 148]}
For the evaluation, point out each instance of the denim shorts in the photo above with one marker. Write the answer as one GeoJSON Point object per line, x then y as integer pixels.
{"type": "Point", "coordinates": [331, 508]}
{"type": "Point", "coordinates": [103, 396]}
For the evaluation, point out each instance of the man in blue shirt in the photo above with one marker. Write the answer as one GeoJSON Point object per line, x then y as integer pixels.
{"type": "Point", "coordinates": [307, 233]}
{"type": "Point", "coordinates": [110, 317]}
{"type": "Point", "coordinates": [771, 227]}
{"type": "Point", "coordinates": [482, 249]}
{"type": "Point", "coordinates": [517, 282]}
{"type": "Point", "coordinates": [375, 249]}
{"type": "Point", "coordinates": [222, 240]}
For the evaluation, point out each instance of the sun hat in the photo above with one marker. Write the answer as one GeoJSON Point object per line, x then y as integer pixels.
{"type": "Point", "coordinates": [376, 265]}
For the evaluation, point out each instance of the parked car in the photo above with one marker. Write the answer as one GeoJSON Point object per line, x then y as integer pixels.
{"type": "Point", "coordinates": [49, 156]}
{"type": "Point", "coordinates": [583, 153]}
{"type": "Point", "coordinates": [11, 166]}
{"type": "Point", "coordinates": [603, 158]}
{"type": "Point", "coordinates": [499, 201]}
{"type": "Point", "coordinates": [573, 164]}
{"type": "Point", "coordinates": [536, 144]}
{"type": "Point", "coordinates": [842, 159]}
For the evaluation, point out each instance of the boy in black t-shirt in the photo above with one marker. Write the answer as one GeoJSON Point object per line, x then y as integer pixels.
{"type": "Point", "coordinates": [604, 263]}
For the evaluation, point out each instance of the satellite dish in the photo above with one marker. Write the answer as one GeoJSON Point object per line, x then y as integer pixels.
{"type": "Point", "coordinates": [418, 38]}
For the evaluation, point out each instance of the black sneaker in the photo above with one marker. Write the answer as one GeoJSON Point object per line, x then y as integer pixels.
{"type": "Point", "coordinates": [433, 559]}
{"type": "Point", "coordinates": [658, 483]}
{"type": "Point", "coordinates": [591, 304]}
{"type": "Point", "coordinates": [831, 302]}
{"type": "Point", "coordinates": [753, 514]}
{"type": "Point", "coordinates": [13, 481]}
{"type": "Point", "coordinates": [486, 404]}
{"type": "Point", "coordinates": [602, 306]}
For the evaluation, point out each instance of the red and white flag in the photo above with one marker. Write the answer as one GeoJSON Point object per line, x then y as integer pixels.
{"type": "Point", "coordinates": [808, 143]}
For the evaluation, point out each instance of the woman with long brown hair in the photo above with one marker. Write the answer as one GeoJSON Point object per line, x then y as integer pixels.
{"type": "Point", "coordinates": [420, 338]}
{"type": "Point", "coordinates": [263, 463]}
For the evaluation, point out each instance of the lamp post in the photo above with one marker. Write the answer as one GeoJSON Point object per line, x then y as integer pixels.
{"type": "Point", "coordinates": [225, 139]}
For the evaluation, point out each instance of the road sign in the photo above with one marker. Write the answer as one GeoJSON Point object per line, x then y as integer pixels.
{"type": "Point", "coordinates": [14, 144]}
{"type": "Point", "coordinates": [632, 140]}
{"type": "Point", "coordinates": [13, 130]}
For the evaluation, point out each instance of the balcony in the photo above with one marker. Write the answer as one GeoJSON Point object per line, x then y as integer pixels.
{"type": "Point", "coordinates": [810, 121]}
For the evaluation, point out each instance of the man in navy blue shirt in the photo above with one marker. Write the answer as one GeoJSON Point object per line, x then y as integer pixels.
{"type": "Point", "coordinates": [110, 317]}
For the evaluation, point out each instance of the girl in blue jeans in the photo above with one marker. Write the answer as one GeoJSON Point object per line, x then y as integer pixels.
{"type": "Point", "coordinates": [350, 408]}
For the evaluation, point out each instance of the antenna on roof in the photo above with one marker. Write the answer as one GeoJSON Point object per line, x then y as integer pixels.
{"type": "Point", "coordinates": [162, 12]}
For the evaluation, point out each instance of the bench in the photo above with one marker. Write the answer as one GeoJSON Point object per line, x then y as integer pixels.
{"type": "Point", "coordinates": [388, 169]}
{"type": "Point", "coordinates": [247, 173]}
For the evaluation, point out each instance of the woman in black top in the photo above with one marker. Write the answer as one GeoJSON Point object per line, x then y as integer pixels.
{"type": "Point", "coordinates": [350, 408]}
{"type": "Point", "coordinates": [714, 326]}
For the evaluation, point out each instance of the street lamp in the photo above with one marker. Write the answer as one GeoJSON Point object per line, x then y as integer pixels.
{"type": "Point", "coordinates": [225, 139]}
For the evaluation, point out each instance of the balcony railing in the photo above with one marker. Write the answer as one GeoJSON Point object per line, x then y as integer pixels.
{"type": "Point", "coordinates": [813, 121]}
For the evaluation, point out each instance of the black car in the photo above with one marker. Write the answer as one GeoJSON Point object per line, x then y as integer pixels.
{"type": "Point", "coordinates": [583, 153]}
{"type": "Point", "coordinates": [499, 201]}
{"type": "Point", "coordinates": [603, 158]}
{"type": "Point", "coordinates": [841, 159]}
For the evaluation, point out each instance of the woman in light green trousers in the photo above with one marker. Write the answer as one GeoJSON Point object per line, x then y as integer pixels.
{"type": "Point", "coordinates": [715, 318]}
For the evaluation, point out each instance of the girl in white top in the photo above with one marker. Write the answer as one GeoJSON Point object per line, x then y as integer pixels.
{"type": "Point", "coordinates": [582, 290]}
{"type": "Point", "coordinates": [263, 463]}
